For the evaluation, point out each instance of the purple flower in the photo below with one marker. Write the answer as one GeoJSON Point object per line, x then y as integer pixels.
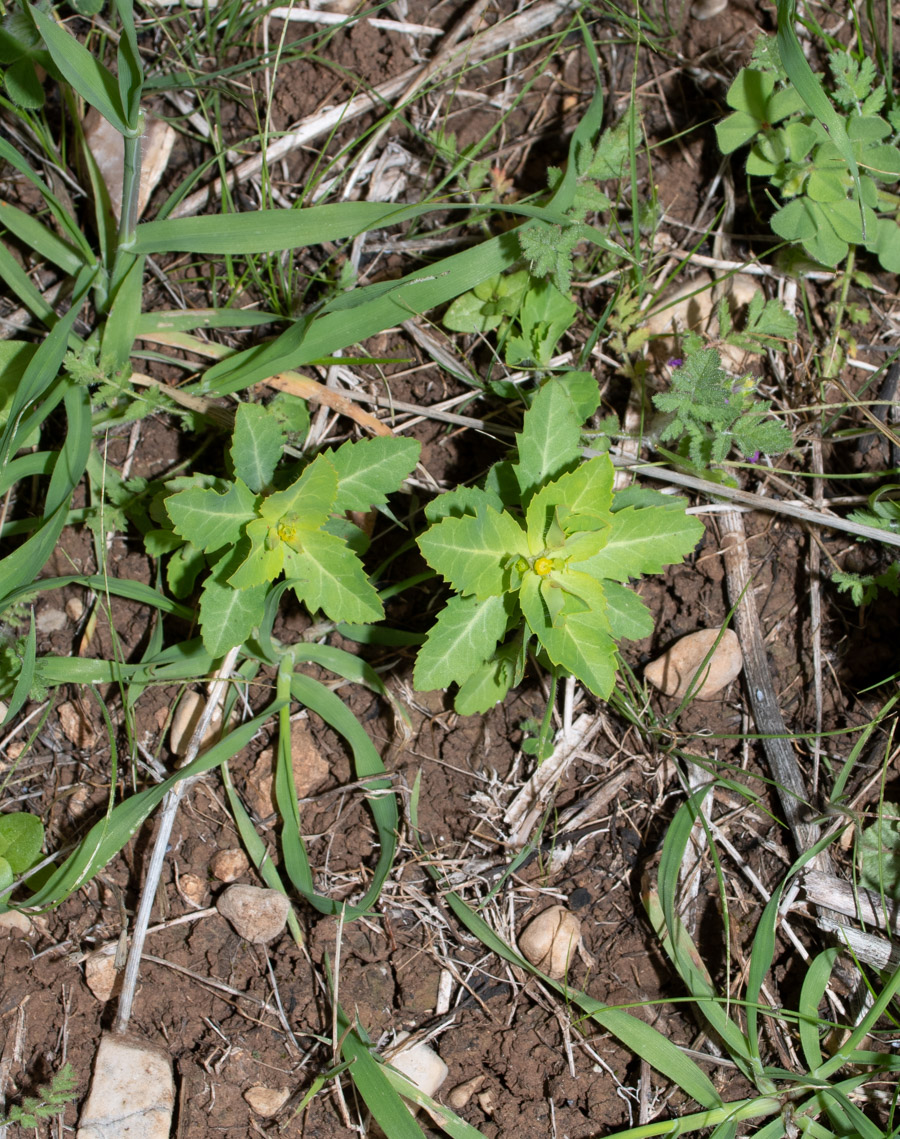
{"type": "Point", "coordinates": [754, 458]}
{"type": "Point", "coordinates": [674, 362]}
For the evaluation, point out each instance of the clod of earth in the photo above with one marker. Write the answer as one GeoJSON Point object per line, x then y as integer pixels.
{"type": "Point", "coordinates": [132, 1092]}
{"type": "Point", "coordinates": [267, 1101]}
{"type": "Point", "coordinates": [102, 977]}
{"type": "Point", "coordinates": [14, 923]}
{"type": "Point", "coordinates": [673, 672]}
{"type": "Point", "coordinates": [228, 865]}
{"type": "Point", "coordinates": [551, 940]}
{"type": "Point", "coordinates": [257, 915]}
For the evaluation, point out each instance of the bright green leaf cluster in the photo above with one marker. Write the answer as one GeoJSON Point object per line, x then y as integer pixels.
{"type": "Point", "coordinates": [541, 551]}
{"type": "Point", "coordinates": [250, 532]}
{"type": "Point", "coordinates": [712, 411]}
{"type": "Point", "coordinates": [825, 209]}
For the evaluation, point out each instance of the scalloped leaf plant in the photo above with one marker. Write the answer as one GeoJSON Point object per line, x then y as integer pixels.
{"type": "Point", "coordinates": [544, 552]}
{"type": "Point", "coordinates": [252, 529]}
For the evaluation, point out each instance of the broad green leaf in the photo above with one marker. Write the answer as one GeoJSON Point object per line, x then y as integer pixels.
{"type": "Point", "coordinates": [463, 500]}
{"type": "Point", "coordinates": [809, 87]}
{"type": "Point", "coordinates": [307, 503]}
{"type": "Point", "coordinates": [578, 642]}
{"type": "Point", "coordinates": [488, 684]}
{"type": "Point", "coordinates": [183, 569]}
{"type": "Point", "coordinates": [473, 553]}
{"type": "Point", "coordinates": [229, 616]}
{"type": "Point", "coordinates": [21, 838]}
{"type": "Point", "coordinates": [262, 556]}
{"type": "Point", "coordinates": [256, 445]}
{"type": "Point", "coordinates": [550, 439]}
{"type": "Point", "coordinates": [371, 469]}
{"type": "Point", "coordinates": [580, 500]}
{"type": "Point", "coordinates": [326, 575]}
{"type": "Point", "coordinates": [628, 616]}
{"type": "Point", "coordinates": [462, 638]}
{"type": "Point", "coordinates": [209, 520]}
{"type": "Point", "coordinates": [644, 541]}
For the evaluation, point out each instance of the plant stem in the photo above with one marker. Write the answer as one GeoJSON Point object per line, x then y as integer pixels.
{"type": "Point", "coordinates": [131, 188]}
{"type": "Point", "coordinates": [832, 363]}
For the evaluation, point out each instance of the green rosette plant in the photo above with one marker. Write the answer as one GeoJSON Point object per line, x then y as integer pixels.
{"type": "Point", "coordinates": [544, 552]}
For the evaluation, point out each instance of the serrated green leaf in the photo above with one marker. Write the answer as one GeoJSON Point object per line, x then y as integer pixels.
{"type": "Point", "coordinates": [580, 500]}
{"type": "Point", "coordinates": [644, 541]}
{"type": "Point", "coordinates": [306, 503]}
{"type": "Point", "coordinates": [628, 616]}
{"type": "Point", "coordinates": [260, 555]}
{"type": "Point", "coordinates": [371, 469]}
{"type": "Point", "coordinates": [462, 639]}
{"type": "Point", "coordinates": [209, 520]}
{"type": "Point", "coordinates": [463, 500]}
{"type": "Point", "coordinates": [256, 446]}
{"type": "Point", "coordinates": [578, 642]}
{"type": "Point", "coordinates": [550, 439]}
{"type": "Point", "coordinates": [472, 553]}
{"type": "Point", "coordinates": [229, 616]}
{"type": "Point", "coordinates": [326, 575]}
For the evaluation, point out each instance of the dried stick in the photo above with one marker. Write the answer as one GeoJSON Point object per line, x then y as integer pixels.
{"type": "Point", "coordinates": [782, 761]}
{"type": "Point", "coordinates": [161, 844]}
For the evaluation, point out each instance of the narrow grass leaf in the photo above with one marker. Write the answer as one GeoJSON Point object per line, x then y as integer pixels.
{"type": "Point", "coordinates": [25, 679]}
{"type": "Point", "coordinates": [42, 240]}
{"type": "Point", "coordinates": [382, 802]}
{"type": "Point", "coordinates": [812, 991]}
{"type": "Point", "coordinates": [375, 1089]}
{"type": "Point", "coordinates": [87, 76]}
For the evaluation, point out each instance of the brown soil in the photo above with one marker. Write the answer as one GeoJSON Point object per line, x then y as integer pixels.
{"type": "Point", "coordinates": [233, 1015]}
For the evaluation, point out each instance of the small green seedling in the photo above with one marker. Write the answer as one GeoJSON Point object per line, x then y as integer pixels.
{"type": "Point", "coordinates": [62, 1089]}
{"type": "Point", "coordinates": [544, 551]}
{"type": "Point", "coordinates": [250, 529]}
{"type": "Point", "coordinates": [879, 852]}
{"type": "Point", "coordinates": [21, 839]}
{"type": "Point", "coordinates": [828, 206]}
{"type": "Point", "coordinates": [712, 411]}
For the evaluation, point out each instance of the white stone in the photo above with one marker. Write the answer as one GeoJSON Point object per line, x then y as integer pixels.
{"type": "Point", "coordinates": [132, 1092]}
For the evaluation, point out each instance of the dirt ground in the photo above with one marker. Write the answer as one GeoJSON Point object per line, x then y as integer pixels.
{"type": "Point", "coordinates": [235, 1015]}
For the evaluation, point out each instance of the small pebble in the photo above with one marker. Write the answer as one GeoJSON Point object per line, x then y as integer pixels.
{"type": "Point", "coordinates": [551, 941]}
{"type": "Point", "coordinates": [229, 865]}
{"type": "Point", "coordinates": [673, 672]}
{"type": "Point", "coordinates": [74, 608]}
{"type": "Point", "coordinates": [266, 1101]}
{"type": "Point", "coordinates": [257, 914]}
